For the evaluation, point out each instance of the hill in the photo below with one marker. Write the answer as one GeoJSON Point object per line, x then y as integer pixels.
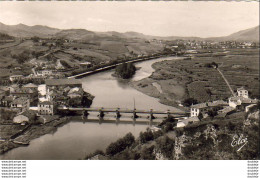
{"type": "Point", "coordinates": [251, 34]}
{"type": "Point", "coordinates": [22, 30]}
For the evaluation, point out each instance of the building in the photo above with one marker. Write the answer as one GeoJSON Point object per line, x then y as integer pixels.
{"type": "Point", "coordinates": [5, 101]}
{"type": "Point", "coordinates": [25, 117]}
{"type": "Point", "coordinates": [240, 102]}
{"type": "Point", "coordinates": [47, 108]}
{"type": "Point", "coordinates": [51, 95]}
{"type": "Point", "coordinates": [242, 92]}
{"type": "Point", "coordinates": [16, 77]}
{"type": "Point", "coordinates": [186, 121]}
{"type": "Point", "coordinates": [22, 102]}
{"type": "Point", "coordinates": [44, 72]}
{"type": "Point", "coordinates": [75, 92]}
{"type": "Point", "coordinates": [204, 107]}
{"type": "Point", "coordinates": [32, 94]}
{"type": "Point", "coordinates": [31, 86]}
{"type": "Point", "coordinates": [62, 83]}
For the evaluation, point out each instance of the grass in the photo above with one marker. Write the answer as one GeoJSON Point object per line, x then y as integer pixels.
{"type": "Point", "coordinates": [203, 83]}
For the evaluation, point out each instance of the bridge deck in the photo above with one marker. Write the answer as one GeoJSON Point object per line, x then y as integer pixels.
{"type": "Point", "coordinates": [122, 110]}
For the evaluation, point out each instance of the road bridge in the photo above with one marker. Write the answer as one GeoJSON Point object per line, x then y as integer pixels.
{"type": "Point", "coordinates": [118, 111]}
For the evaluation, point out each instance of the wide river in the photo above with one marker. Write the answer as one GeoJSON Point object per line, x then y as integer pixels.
{"type": "Point", "coordinates": [77, 139]}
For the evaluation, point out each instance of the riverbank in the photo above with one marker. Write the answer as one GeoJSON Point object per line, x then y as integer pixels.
{"type": "Point", "coordinates": [32, 132]}
{"type": "Point", "coordinates": [169, 91]}
{"type": "Point", "coordinates": [191, 78]}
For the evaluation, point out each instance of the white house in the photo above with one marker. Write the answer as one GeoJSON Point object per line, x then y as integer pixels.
{"type": "Point", "coordinates": [22, 102]}
{"type": "Point", "coordinates": [44, 72]}
{"type": "Point", "coordinates": [242, 92]}
{"type": "Point", "coordinates": [16, 77]}
{"type": "Point", "coordinates": [186, 121]}
{"type": "Point", "coordinates": [202, 107]}
{"type": "Point", "coordinates": [46, 108]}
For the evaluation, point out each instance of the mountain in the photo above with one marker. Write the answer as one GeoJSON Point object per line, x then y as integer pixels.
{"type": "Point", "coordinates": [251, 34]}
{"type": "Point", "coordinates": [75, 34]}
{"type": "Point", "coordinates": [22, 30]}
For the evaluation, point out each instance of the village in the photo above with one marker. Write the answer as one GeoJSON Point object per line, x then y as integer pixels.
{"type": "Point", "coordinates": [220, 108]}
{"type": "Point", "coordinates": [30, 103]}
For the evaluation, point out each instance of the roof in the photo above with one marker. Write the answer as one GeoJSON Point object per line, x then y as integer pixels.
{"type": "Point", "coordinates": [209, 104]}
{"type": "Point", "coordinates": [53, 93]}
{"type": "Point", "coordinates": [226, 109]}
{"type": "Point", "coordinates": [46, 103]}
{"type": "Point", "coordinates": [16, 76]}
{"type": "Point", "coordinates": [56, 82]}
{"type": "Point", "coordinates": [22, 90]}
{"type": "Point", "coordinates": [28, 113]}
{"type": "Point", "coordinates": [241, 88]}
{"type": "Point", "coordinates": [242, 99]}
{"type": "Point", "coordinates": [30, 85]}
{"type": "Point", "coordinates": [21, 100]}
{"type": "Point", "coordinates": [8, 98]}
{"type": "Point", "coordinates": [184, 122]}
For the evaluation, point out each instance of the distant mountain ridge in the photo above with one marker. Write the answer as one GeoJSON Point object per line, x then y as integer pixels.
{"type": "Point", "coordinates": [21, 30]}
{"type": "Point", "coordinates": [251, 34]}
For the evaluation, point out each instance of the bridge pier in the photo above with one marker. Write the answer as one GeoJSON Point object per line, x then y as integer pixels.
{"type": "Point", "coordinates": [168, 114]}
{"type": "Point", "coordinates": [151, 115]}
{"type": "Point", "coordinates": [118, 115]}
{"type": "Point", "coordinates": [101, 113]}
{"type": "Point", "coordinates": [134, 114]}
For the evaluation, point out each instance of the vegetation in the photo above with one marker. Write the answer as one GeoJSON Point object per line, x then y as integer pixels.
{"type": "Point", "coordinates": [125, 71]}
{"type": "Point", "coordinates": [189, 101]}
{"type": "Point", "coordinates": [4, 36]}
{"type": "Point", "coordinates": [6, 116]}
{"type": "Point", "coordinates": [146, 136]}
{"type": "Point", "coordinates": [120, 144]}
{"type": "Point", "coordinates": [97, 152]}
{"type": "Point", "coordinates": [211, 65]}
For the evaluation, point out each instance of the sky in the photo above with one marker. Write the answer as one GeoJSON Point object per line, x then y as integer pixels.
{"type": "Point", "coordinates": [172, 18]}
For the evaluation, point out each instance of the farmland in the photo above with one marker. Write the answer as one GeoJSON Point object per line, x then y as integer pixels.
{"type": "Point", "coordinates": [193, 79]}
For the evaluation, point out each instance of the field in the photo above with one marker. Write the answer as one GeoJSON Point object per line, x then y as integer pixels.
{"type": "Point", "coordinates": [240, 67]}
{"type": "Point", "coordinates": [96, 51]}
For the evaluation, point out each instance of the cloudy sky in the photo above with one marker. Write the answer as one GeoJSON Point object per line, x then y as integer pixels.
{"type": "Point", "coordinates": [203, 19]}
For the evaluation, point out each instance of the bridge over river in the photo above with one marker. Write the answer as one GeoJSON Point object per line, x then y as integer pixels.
{"type": "Point", "coordinates": [118, 111]}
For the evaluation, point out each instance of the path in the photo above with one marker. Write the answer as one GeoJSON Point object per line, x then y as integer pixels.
{"type": "Point", "coordinates": [226, 82]}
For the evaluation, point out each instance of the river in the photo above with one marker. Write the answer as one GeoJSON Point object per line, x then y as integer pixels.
{"type": "Point", "coordinates": [77, 139]}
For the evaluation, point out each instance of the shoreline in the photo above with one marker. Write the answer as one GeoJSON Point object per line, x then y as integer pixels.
{"type": "Point", "coordinates": [31, 133]}
{"type": "Point", "coordinates": [168, 91]}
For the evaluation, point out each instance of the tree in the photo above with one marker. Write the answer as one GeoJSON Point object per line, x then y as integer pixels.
{"type": "Point", "coordinates": [147, 153]}
{"type": "Point", "coordinates": [166, 146]}
{"type": "Point", "coordinates": [35, 39]}
{"type": "Point", "coordinates": [200, 116]}
{"type": "Point", "coordinates": [146, 136]}
{"type": "Point", "coordinates": [189, 101]}
{"type": "Point", "coordinates": [125, 71]}
{"type": "Point", "coordinates": [120, 145]}
{"type": "Point", "coordinates": [212, 113]}
{"type": "Point", "coordinates": [168, 127]}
